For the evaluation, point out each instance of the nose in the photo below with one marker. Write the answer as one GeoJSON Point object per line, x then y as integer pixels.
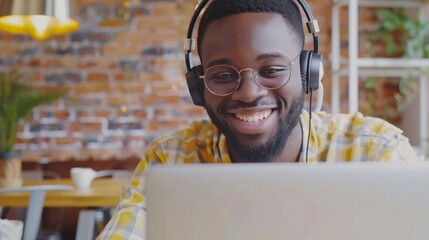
{"type": "Point", "coordinates": [249, 90]}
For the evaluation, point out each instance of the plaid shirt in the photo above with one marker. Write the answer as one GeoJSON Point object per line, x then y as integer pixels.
{"type": "Point", "coordinates": [333, 138]}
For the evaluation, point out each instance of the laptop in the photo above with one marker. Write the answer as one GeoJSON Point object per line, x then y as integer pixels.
{"type": "Point", "coordinates": [353, 201]}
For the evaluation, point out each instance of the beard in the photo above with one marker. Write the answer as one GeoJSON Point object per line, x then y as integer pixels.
{"type": "Point", "coordinates": [269, 151]}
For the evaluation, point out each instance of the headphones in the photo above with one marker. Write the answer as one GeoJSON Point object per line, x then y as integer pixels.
{"type": "Point", "coordinates": [310, 60]}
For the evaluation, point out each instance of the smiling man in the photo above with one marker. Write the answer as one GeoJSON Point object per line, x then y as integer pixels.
{"type": "Point", "coordinates": [260, 112]}
{"type": "Point", "coordinates": [253, 86]}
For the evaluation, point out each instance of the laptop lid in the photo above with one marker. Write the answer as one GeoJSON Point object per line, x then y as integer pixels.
{"type": "Point", "coordinates": [272, 201]}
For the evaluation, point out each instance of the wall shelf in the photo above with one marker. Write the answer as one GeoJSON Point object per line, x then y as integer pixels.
{"type": "Point", "coordinates": [356, 64]}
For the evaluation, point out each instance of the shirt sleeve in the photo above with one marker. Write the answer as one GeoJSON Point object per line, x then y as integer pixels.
{"type": "Point", "coordinates": [129, 219]}
{"type": "Point", "coordinates": [398, 149]}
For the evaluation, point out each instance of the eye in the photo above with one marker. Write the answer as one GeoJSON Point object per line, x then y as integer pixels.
{"type": "Point", "coordinates": [274, 71]}
{"type": "Point", "coordinates": [221, 75]}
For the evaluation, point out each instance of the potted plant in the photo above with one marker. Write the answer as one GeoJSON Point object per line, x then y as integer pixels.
{"type": "Point", "coordinates": [17, 100]}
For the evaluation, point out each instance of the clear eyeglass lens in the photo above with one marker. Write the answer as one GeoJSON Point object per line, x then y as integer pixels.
{"type": "Point", "coordinates": [270, 73]}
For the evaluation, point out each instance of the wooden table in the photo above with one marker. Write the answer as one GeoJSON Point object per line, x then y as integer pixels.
{"type": "Point", "coordinates": [104, 192]}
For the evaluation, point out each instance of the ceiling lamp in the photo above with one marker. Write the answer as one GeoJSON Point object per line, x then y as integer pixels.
{"type": "Point", "coordinates": [40, 19]}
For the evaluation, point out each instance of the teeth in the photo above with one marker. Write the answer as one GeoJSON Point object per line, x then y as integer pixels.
{"type": "Point", "coordinates": [253, 118]}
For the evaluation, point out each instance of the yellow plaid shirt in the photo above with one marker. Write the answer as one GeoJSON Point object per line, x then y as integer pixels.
{"type": "Point", "coordinates": [333, 138]}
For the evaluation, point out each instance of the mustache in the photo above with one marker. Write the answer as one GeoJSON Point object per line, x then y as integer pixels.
{"type": "Point", "coordinates": [257, 103]}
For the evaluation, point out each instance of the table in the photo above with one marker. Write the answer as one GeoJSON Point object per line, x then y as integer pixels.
{"type": "Point", "coordinates": [104, 192]}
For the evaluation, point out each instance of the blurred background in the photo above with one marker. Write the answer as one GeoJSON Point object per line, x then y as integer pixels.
{"type": "Point", "coordinates": [120, 69]}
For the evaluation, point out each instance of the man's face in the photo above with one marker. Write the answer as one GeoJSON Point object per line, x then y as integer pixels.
{"type": "Point", "coordinates": [256, 121]}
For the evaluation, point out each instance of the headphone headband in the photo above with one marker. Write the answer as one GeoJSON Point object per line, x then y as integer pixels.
{"type": "Point", "coordinates": [190, 42]}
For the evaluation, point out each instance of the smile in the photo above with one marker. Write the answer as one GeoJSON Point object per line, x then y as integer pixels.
{"type": "Point", "coordinates": [254, 117]}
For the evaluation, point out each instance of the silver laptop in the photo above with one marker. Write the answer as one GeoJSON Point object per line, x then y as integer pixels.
{"type": "Point", "coordinates": [347, 201]}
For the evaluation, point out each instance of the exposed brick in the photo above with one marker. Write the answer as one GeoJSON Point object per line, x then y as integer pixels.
{"type": "Point", "coordinates": [129, 88]}
{"type": "Point", "coordinates": [121, 100]}
{"type": "Point", "coordinates": [5, 37]}
{"type": "Point", "coordinates": [113, 49]}
{"type": "Point", "coordinates": [164, 8]}
{"type": "Point", "coordinates": [122, 76]}
{"type": "Point", "coordinates": [49, 129]}
{"type": "Point", "coordinates": [88, 100]}
{"type": "Point", "coordinates": [158, 99]}
{"type": "Point", "coordinates": [125, 125]}
{"type": "Point", "coordinates": [151, 76]}
{"type": "Point", "coordinates": [93, 37]}
{"type": "Point", "coordinates": [36, 76]}
{"type": "Point", "coordinates": [191, 110]}
{"type": "Point", "coordinates": [53, 63]}
{"type": "Point", "coordinates": [83, 114]}
{"type": "Point", "coordinates": [104, 113]}
{"type": "Point", "coordinates": [91, 88]}
{"type": "Point", "coordinates": [90, 126]}
{"type": "Point", "coordinates": [153, 22]}
{"type": "Point", "coordinates": [142, 38]}
{"type": "Point", "coordinates": [63, 78]}
{"type": "Point", "coordinates": [162, 111]}
{"type": "Point", "coordinates": [66, 140]}
{"type": "Point", "coordinates": [98, 77]}
{"type": "Point", "coordinates": [60, 115]}
{"type": "Point", "coordinates": [140, 113]}
{"type": "Point", "coordinates": [98, 63]}
{"type": "Point", "coordinates": [10, 49]}
{"type": "Point", "coordinates": [165, 124]}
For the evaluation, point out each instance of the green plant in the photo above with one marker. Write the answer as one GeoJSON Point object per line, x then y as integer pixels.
{"type": "Point", "coordinates": [17, 100]}
{"type": "Point", "coordinates": [402, 35]}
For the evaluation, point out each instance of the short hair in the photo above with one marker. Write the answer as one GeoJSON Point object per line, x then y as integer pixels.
{"type": "Point", "coordinates": [218, 9]}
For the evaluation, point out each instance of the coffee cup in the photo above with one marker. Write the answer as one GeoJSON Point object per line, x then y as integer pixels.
{"type": "Point", "coordinates": [82, 177]}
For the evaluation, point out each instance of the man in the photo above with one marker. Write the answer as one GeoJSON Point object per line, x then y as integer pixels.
{"type": "Point", "coordinates": [249, 50]}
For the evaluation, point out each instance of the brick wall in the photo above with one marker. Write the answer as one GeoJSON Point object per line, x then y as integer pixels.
{"type": "Point", "coordinates": [126, 84]}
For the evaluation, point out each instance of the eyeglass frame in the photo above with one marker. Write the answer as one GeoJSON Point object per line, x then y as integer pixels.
{"type": "Point", "coordinates": [254, 76]}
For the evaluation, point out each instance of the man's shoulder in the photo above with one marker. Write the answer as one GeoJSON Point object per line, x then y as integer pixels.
{"type": "Point", "coordinates": [353, 124]}
{"type": "Point", "coordinates": [196, 130]}
{"type": "Point", "coordinates": [187, 145]}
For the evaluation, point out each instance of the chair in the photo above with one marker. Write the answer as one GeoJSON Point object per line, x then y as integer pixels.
{"type": "Point", "coordinates": [91, 221]}
{"type": "Point", "coordinates": [54, 216]}
{"type": "Point", "coordinates": [35, 206]}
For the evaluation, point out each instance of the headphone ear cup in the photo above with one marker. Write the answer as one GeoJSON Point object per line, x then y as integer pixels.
{"type": "Point", "coordinates": [196, 85]}
{"type": "Point", "coordinates": [304, 60]}
{"type": "Point", "coordinates": [310, 70]}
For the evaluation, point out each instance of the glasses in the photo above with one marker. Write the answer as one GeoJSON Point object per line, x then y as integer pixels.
{"type": "Point", "coordinates": [269, 73]}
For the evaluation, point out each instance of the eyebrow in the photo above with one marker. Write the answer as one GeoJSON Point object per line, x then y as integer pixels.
{"type": "Point", "coordinates": [219, 62]}
{"type": "Point", "coordinates": [270, 55]}
{"type": "Point", "coordinates": [260, 57]}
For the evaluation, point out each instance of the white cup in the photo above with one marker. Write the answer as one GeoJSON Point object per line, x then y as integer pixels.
{"type": "Point", "coordinates": [82, 177]}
